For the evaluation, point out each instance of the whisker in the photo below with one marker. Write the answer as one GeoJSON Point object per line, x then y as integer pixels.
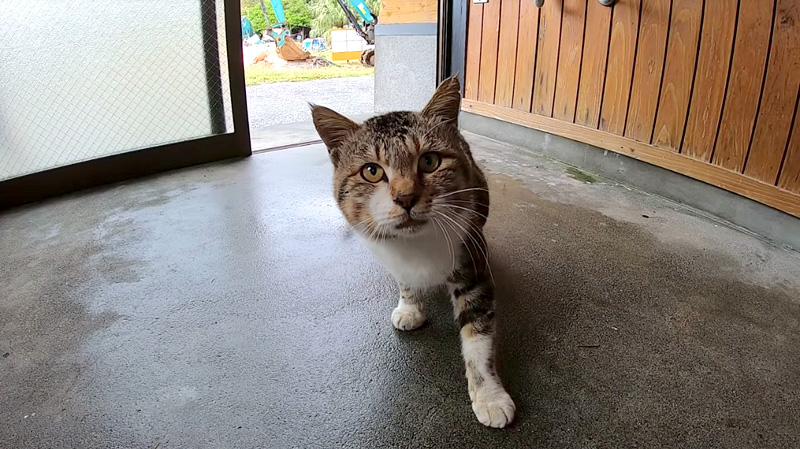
{"type": "Point", "coordinates": [450, 249]}
{"type": "Point", "coordinates": [465, 208]}
{"type": "Point", "coordinates": [462, 191]}
{"type": "Point", "coordinates": [469, 223]}
{"type": "Point", "coordinates": [374, 235]}
{"type": "Point", "coordinates": [371, 230]}
{"type": "Point", "coordinates": [474, 265]}
{"type": "Point", "coordinates": [361, 223]}
{"type": "Point", "coordinates": [463, 200]}
{"type": "Point", "coordinates": [460, 201]}
{"type": "Point", "coordinates": [477, 232]}
{"type": "Point", "coordinates": [474, 240]}
{"type": "Point", "coordinates": [461, 224]}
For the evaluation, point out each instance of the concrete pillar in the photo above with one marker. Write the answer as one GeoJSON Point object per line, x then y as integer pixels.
{"type": "Point", "coordinates": [405, 65]}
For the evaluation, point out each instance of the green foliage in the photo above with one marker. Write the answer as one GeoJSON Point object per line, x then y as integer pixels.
{"type": "Point", "coordinates": [297, 12]}
{"type": "Point", "coordinates": [257, 17]}
{"type": "Point", "coordinates": [328, 14]}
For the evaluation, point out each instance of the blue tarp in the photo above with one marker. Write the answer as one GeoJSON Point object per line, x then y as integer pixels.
{"type": "Point", "coordinates": [317, 44]}
{"type": "Point", "coordinates": [247, 28]}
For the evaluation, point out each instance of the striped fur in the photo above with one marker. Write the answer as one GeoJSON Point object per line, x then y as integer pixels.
{"type": "Point", "coordinates": [424, 225]}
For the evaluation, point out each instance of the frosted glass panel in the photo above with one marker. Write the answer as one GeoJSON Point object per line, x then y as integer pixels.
{"type": "Point", "coordinates": [82, 79]}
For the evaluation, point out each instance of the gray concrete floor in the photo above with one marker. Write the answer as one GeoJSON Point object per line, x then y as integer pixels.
{"type": "Point", "coordinates": [290, 134]}
{"type": "Point", "coordinates": [276, 103]}
{"type": "Point", "coordinates": [228, 306]}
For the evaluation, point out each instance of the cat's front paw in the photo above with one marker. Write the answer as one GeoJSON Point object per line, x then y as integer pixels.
{"type": "Point", "coordinates": [496, 410]}
{"type": "Point", "coordinates": [407, 318]}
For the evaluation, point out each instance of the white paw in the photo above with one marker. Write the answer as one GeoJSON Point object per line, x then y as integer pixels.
{"type": "Point", "coordinates": [496, 410]}
{"type": "Point", "coordinates": [407, 319]}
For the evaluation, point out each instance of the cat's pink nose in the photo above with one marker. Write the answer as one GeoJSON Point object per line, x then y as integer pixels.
{"type": "Point", "coordinates": [406, 201]}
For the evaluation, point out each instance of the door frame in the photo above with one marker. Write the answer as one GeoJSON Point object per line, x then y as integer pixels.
{"type": "Point", "coordinates": [451, 43]}
{"type": "Point", "coordinates": [146, 161]}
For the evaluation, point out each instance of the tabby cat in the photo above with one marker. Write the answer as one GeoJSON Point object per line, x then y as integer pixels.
{"type": "Point", "coordinates": [408, 184]}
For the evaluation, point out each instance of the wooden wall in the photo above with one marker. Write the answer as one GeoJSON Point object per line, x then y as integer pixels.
{"type": "Point", "coordinates": [409, 11]}
{"type": "Point", "coordinates": [707, 88]}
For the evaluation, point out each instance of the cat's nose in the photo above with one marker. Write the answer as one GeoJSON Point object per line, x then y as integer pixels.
{"type": "Point", "coordinates": [406, 201]}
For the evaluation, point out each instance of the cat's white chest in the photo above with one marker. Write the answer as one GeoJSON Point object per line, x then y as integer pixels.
{"type": "Point", "coordinates": [422, 261]}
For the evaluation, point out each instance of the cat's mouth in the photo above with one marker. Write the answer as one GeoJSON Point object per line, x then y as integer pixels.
{"type": "Point", "coordinates": [410, 224]}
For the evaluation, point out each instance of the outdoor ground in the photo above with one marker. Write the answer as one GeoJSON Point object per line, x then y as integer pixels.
{"type": "Point", "coordinates": [273, 69]}
{"type": "Point", "coordinates": [228, 305]}
{"type": "Point", "coordinates": [277, 103]}
{"type": "Point", "coordinates": [260, 74]}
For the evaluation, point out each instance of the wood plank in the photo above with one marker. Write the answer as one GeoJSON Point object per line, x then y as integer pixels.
{"type": "Point", "coordinates": [780, 91]}
{"type": "Point", "coordinates": [744, 84]}
{"type": "Point", "coordinates": [790, 173]}
{"type": "Point", "coordinates": [622, 46]}
{"type": "Point", "coordinates": [648, 69]}
{"type": "Point", "coordinates": [472, 67]}
{"type": "Point", "coordinates": [593, 66]}
{"type": "Point", "coordinates": [716, 45]}
{"type": "Point", "coordinates": [712, 174]}
{"type": "Point", "coordinates": [679, 72]}
{"type": "Point", "coordinates": [547, 58]}
{"type": "Point", "coordinates": [490, 34]}
{"type": "Point", "coordinates": [409, 11]}
{"type": "Point", "coordinates": [570, 52]}
{"type": "Point", "coordinates": [526, 55]}
{"type": "Point", "coordinates": [507, 53]}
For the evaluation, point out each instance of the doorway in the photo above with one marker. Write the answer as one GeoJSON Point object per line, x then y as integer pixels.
{"type": "Point", "coordinates": [298, 52]}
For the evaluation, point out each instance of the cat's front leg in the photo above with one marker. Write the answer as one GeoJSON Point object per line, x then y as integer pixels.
{"type": "Point", "coordinates": [410, 311]}
{"type": "Point", "coordinates": [474, 312]}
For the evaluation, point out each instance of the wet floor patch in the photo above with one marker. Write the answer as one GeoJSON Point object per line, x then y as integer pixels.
{"type": "Point", "coordinates": [580, 175]}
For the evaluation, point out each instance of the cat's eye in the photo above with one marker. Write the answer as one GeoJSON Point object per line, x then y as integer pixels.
{"type": "Point", "coordinates": [372, 172]}
{"type": "Point", "coordinates": [429, 162]}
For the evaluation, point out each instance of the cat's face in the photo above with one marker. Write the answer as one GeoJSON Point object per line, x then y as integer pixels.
{"type": "Point", "coordinates": [393, 172]}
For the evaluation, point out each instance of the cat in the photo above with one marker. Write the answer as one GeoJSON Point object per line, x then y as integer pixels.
{"type": "Point", "coordinates": [408, 184]}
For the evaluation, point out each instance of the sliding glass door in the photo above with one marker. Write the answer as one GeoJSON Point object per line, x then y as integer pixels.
{"type": "Point", "coordinates": [98, 91]}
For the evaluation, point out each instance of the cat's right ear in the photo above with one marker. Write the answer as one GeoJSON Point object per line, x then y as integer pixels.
{"type": "Point", "coordinates": [446, 101]}
{"type": "Point", "coordinates": [333, 128]}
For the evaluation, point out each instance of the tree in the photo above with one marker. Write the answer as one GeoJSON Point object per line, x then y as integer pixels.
{"type": "Point", "coordinates": [256, 17]}
{"type": "Point", "coordinates": [328, 14]}
{"type": "Point", "coordinates": [297, 13]}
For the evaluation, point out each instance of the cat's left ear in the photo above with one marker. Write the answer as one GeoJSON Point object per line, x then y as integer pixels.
{"type": "Point", "coordinates": [333, 128]}
{"type": "Point", "coordinates": [446, 101]}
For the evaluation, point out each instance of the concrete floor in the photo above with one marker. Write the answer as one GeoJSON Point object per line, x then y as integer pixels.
{"type": "Point", "coordinates": [271, 104]}
{"type": "Point", "coordinates": [228, 306]}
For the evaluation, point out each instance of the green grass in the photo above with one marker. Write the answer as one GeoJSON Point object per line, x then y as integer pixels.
{"type": "Point", "coordinates": [260, 74]}
{"type": "Point", "coordinates": [323, 54]}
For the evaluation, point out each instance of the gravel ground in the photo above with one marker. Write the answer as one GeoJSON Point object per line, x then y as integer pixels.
{"type": "Point", "coordinates": [276, 103]}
